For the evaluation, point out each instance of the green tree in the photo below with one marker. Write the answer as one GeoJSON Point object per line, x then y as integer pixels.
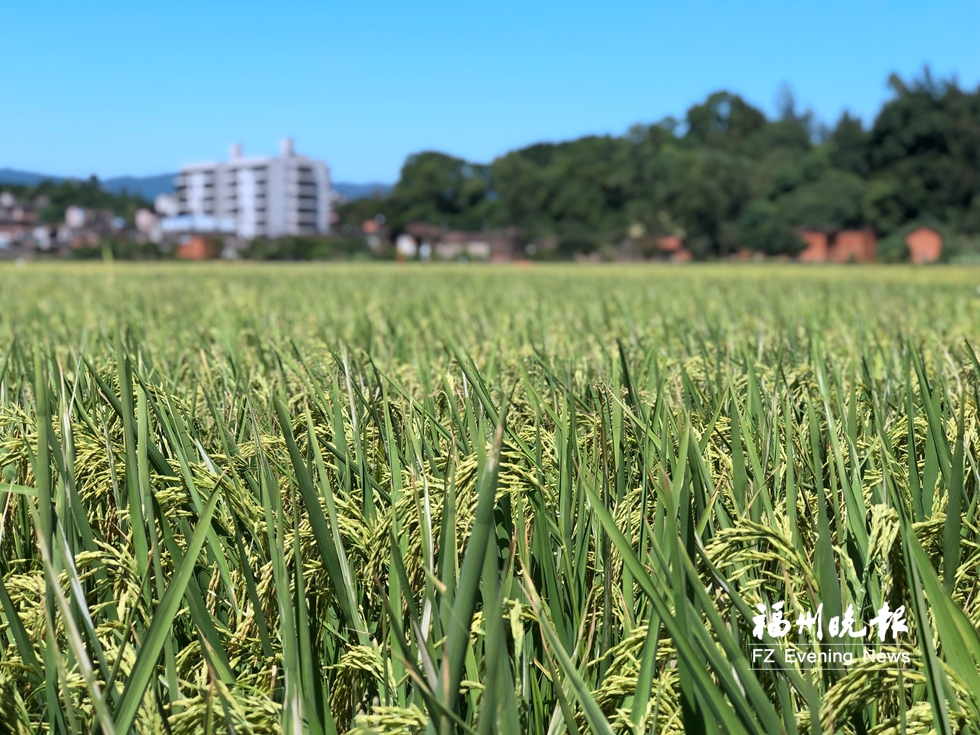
{"type": "Point", "coordinates": [882, 204]}
{"type": "Point", "coordinates": [727, 178]}
{"type": "Point", "coordinates": [848, 145]}
{"type": "Point", "coordinates": [832, 202]}
{"type": "Point", "coordinates": [764, 228]}
{"type": "Point", "coordinates": [926, 144]}
{"type": "Point", "coordinates": [437, 188]}
{"type": "Point", "coordinates": [520, 190]}
{"type": "Point", "coordinates": [705, 192]}
{"type": "Point", "coordinates": [724, 121]}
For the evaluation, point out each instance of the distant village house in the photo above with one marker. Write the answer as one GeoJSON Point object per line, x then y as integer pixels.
{"type": "Point", "coordinates": [672, 247]}
{"type": "Point", "coordinates": [443, 244]}
{"type": "Point", "coordinates": [17, 222]}
{"type": "Point", "coordinates": [925, 245]}
{"type": "Point", "coordinates": [195, 247]}
{"type": "Point", "coordinates": [843, 246]}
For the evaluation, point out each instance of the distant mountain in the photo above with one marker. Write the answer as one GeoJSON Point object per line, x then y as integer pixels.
{"type": "Point", "coordinates": [24, 178]}
{"type": "Point", "coordinates": [143, 186]}
{"type": "Point", "coordinates": [350, 192]}
{"type": "Point", "coordinates": [149, 187]}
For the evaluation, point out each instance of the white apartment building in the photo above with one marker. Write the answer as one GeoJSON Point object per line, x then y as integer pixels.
{"type": "Point", "coordinates": [257, 197]}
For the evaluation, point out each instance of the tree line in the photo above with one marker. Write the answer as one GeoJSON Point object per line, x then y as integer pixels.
{"type": "Point", "coordinates": [724, 178]}
{"type": "Point", "coordinates": [55, 196]}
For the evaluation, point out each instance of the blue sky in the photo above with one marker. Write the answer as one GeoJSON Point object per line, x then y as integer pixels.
{"type": "Point", "coordinates": [114, 88]}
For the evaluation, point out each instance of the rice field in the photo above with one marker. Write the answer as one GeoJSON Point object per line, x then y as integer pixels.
{"type": "Point", "coordinates": [379, 499]}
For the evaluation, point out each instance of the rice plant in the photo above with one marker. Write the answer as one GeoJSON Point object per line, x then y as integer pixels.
{"type": "Point", "coordinates": [449, 500]}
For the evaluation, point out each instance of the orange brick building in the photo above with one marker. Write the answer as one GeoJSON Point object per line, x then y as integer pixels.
{"type": "Point", "coordinates": [925, 245]}
{"type": "Point", "coordinates": [195, 248]}
{"type": "Point", "coordinates": [857, 246]}
{"type": "Point", "coordinates": [816, 247]}
{"type": "Point", "coordinates": [673, 247]}
{"type": "Point", "coordinates": [844, 246]}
